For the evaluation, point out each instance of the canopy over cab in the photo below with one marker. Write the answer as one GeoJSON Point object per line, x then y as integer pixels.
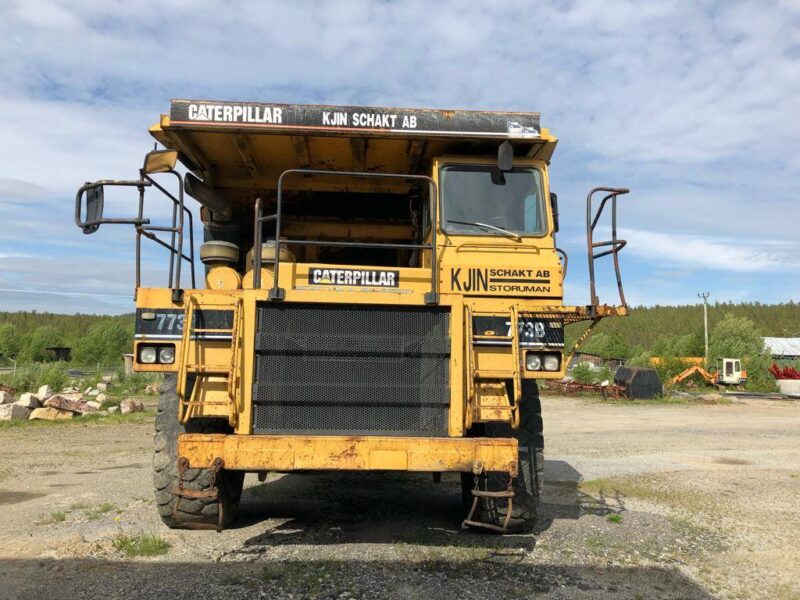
{"type": "Point", "coordinates": [241, 147]}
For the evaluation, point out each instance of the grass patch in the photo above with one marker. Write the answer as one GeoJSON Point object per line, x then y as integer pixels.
{"type": "Point", "coordinates": [144, 544]}
{"type": "Point", "coordinates": [614, 518]}
{"type": "Point", "coordinates": [112, 401]}
{"type": "Point", "coordinates": [648, 489]}
{"type": "Point", "coordinates": [98, 511]}
{"type": "Point", "coordinates": [134, 384]}
{"type": "Point", "coordinates": [89, 420]}
{"type": "Point", "coordinates": [58, 516]}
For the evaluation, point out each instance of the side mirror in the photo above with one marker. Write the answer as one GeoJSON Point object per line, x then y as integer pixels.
{"type": "Point", "coordinates": [505, 156]}
{"type": "Point", "coordinates": [554, 207]}
{"type": "Point", "coordinates": [160, 161]}
{"type": "Point", "coordinates": [94, 209]}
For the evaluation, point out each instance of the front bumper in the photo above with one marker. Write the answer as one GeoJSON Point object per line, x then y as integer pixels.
{"type": "Point", "coordinates": [348, 453]}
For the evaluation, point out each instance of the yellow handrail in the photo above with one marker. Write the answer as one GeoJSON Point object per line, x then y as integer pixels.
{"type": "Point", "coordinates": [469, 370]}
{"type": "Point", "coordinates": [517, 370]}
{"type": "Point", "coordinates": [182, 378]}
{"type": "Point", "coordinates": [234, 375]}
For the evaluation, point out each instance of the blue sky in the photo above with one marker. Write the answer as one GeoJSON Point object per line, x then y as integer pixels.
{"type": "Point", "coordinates": [693, 105]}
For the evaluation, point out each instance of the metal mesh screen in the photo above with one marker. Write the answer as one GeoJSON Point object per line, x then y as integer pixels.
{"type": "Point", "coordinates": [353, 370]}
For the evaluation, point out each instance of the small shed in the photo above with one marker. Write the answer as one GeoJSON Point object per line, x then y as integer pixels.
{"type": "Point", "coordinates": [783, 348]}
{"type": "Point", "coordinates": [59, 353]}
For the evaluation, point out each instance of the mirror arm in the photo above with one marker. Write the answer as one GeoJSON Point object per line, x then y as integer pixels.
{"type": "Point", "coordinates": [505, 156]}
{"type": "Point", "coordinates": [103, 182]}
{"type": "Point", "coordinates": [554, 208]}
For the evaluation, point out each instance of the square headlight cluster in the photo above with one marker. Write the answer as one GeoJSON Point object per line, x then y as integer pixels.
{"type": "Point", "coordinates": [156, 355]}
{"type": "Point", "coordinates": [535, 361]}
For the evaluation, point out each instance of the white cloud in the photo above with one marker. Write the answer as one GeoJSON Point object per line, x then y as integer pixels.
{"type": "Point", "coordinates": [712, 253]}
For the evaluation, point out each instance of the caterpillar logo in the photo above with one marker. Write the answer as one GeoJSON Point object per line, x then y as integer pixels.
{"type": "Point", "coordinates": [235, 113]}
{"type": "Point", "coordinates": [477, 280]}
{"type": "Point", "coordinates": [355, 277]}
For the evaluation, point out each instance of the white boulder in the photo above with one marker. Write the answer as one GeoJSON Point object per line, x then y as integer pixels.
{"type": "Point", "coordinates": [44, 393]}
{"type": "Point", "coordinates": [29, 400]}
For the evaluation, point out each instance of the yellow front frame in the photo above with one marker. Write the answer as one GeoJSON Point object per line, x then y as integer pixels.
{"type": "Point", "coordinates": [246, 451]}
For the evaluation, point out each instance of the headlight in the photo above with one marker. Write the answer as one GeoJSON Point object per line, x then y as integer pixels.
{"type": "Point", "coordinates": [552, 362]}
{"type": "Point", "coordinates": [147, 355]}
{"type": "Point", "coordinates": [533, 362]}
{"type": "Point", "coordinates": [166, 355]}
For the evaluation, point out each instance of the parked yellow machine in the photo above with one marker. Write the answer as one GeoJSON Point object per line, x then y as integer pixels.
{"type": "Point", "coordinates": [728, 372]}
{"type": "Point", "coordinates": [383, 291]}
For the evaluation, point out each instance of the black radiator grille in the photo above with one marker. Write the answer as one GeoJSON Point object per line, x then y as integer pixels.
{"type": "Point", "coordinates": [356, 370]}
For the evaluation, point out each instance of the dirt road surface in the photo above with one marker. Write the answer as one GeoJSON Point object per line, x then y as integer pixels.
{"type": "Point", "coordinates": [641, 501]}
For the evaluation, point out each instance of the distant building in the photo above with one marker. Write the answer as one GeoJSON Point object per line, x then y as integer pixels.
{"type": "Point", "coordinates": [783, 348]}
{"type": "Point", "coordinates": [59, 353]}
{"type": "Point", "coordinates": [597, 360]}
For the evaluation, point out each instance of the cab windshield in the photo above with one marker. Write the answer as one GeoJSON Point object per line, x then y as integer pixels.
{"type": "Point", "coordinates": [482, 200]}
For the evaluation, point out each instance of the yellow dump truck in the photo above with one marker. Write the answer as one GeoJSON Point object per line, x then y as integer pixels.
{"type": "Point", "coordinates": [383, 291]}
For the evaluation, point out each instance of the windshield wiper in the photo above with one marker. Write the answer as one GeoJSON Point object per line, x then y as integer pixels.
{"type": "Point", "coordinates": [510, 234]}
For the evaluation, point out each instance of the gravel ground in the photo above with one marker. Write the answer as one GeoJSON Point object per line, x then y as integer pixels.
{"type": "Point", "coordinates": [641, 501]}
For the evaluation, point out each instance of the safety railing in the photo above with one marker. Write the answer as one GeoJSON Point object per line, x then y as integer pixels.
{"type": "Point", "coordinates": [175, 246]}
{"type": "Point", "coordinates": [614, 245]}
{"type": "Point", "coordinates": [277, 293]}
{"type": "Point", "coordinates": [175, 231]}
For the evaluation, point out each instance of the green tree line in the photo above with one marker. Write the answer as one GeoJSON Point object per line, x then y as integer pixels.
{"type": "Point", "coordinates": [661, 328]}
{"type": "Point", "coordinates": [672, 332]}
{"type": "Point", "coordinates": [93, 339]}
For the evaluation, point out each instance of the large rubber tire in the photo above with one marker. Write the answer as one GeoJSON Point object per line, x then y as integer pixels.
{"type": "Point", "coordinates": [183, 513]}
{"type": "Point", "coordinates": [528, 484]}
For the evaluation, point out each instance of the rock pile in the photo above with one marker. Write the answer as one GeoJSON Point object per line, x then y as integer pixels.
{"type": "Point", "coordinates": [69, 403]}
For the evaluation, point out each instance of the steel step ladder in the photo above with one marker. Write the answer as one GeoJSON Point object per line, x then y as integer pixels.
{"type": "Point", "coordinates": [477, 376]}
{"type": "Point", "coordinates": [191, 342]}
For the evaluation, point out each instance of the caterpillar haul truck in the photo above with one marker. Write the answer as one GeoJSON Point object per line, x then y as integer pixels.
{"type": "Point", "coordinates": [382, 291]}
